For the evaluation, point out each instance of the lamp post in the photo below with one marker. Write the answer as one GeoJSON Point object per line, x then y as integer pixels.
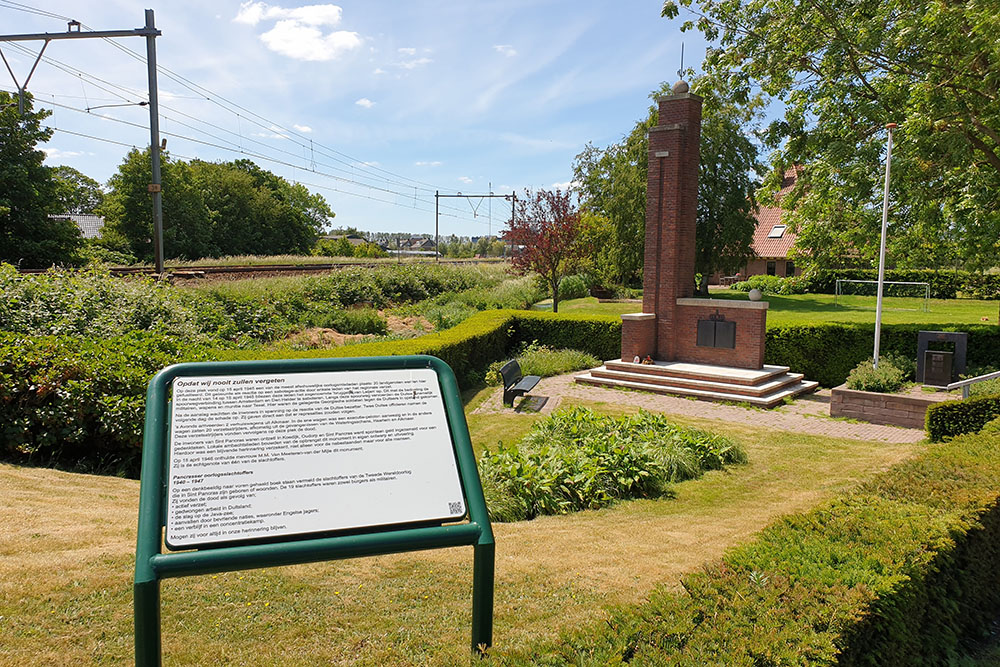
{"type": "Point", "coordinates": [881, 251]}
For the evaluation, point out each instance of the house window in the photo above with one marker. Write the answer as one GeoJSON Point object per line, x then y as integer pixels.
{"type": "Point", "coordinates": [771, 268]}
{"type": "Point", "coordinates": [776, 232]}
{"type": "Point", "coordinates": [789, 268]}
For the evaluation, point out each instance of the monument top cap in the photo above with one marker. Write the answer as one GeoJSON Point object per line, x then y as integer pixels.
{"type": "Point", "coordinates": [680, 87]}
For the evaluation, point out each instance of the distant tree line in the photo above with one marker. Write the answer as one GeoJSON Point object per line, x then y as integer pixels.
{"type": "Point", "coordinates": [210, 209]}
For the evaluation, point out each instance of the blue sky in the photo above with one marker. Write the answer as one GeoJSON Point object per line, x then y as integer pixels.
{"type": "Point", "coordinates": [372, 104]}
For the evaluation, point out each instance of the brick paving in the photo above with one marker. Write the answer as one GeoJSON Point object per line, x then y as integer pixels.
{"type": "Point", "coordinates": [808, 414]}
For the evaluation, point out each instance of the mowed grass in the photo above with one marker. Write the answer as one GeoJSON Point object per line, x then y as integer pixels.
{"type": "Point", "coordinates": [67, 556]}
{"type": "Point", "coordinates": [817, 308]}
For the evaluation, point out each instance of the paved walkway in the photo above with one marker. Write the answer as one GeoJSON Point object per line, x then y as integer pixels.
{"type": "Point", "coordinates": [809, 414]}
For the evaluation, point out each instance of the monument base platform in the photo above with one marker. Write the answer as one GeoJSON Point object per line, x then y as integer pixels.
{"type": "Point", "coordinates": [765, 388]}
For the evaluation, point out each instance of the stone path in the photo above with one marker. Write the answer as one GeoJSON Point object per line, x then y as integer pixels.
{"type": "Point", "coordinates": [809, 414]}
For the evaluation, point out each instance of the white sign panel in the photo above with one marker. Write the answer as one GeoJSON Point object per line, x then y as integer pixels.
{"type": "Point", "coordinates": [262, 456]}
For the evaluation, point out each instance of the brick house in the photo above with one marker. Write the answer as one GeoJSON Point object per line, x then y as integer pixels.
{"type": "Point", "coordinates": [772, 241]}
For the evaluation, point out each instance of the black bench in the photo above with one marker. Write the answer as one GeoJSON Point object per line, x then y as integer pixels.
{"type": "Point", "coordinates": [514, 384]}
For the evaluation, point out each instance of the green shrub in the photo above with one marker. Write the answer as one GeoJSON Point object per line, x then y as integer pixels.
{"type": "Point", "coordinates": [900, 571]}
{"type": "Point", "coordinates": [885, 379]}
{"type": "Point", "coordinates": [951, 418]}
{"type": "Point", "coordinates": [80, 398]}
{"type": "Point", "coordinates": [991, 427]}
{"type": "Point", "coordinates": [770, 285]}
{"type": "Point", "coordinates": [577, 460]}
{"type": "Point", "coordinates": [573, 287]}
{"type": "Point", "coordinates": [543, 361]}
{"type": "Point", "coordinates": [827, 352]}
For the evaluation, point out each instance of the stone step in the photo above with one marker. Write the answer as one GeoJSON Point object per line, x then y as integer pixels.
{"type": "Point", "coordinates": [705, 372]}
{"type": "Point", "coordinates": [766, 401]}
{"type": "Point", "coordinates": [774, 383]}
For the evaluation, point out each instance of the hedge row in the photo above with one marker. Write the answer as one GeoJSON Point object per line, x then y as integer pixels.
{"type": "Point", "coordinates": [827, 352]}
{"type": "Point", "coordinates": [951, 418]}
{"type": "Point", "coordinates": [900, 571]}
{"type": "Point", "coordinates": [944, 284]}
{"type": "Point", "coordinates": [69, 398]}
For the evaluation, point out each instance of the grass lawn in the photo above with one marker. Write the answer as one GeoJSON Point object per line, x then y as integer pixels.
{"type": "Point", "coordinates": [813, 308]}
{"type": "Point", "coordinates": [69, 539]}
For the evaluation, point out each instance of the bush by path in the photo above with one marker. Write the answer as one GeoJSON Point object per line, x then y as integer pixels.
{"type": "Point", "coordinates": [577, 460]}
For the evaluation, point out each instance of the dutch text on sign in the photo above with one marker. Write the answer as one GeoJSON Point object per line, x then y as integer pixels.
{"type": "Point", "coordinates": [261, 456]}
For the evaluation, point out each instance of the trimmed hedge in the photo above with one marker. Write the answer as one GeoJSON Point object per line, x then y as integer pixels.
{"type": "Point", "coordinates": [827, 352]}
{"type": "Point", "coordinates": [944, 284]}
{"type": "Point", "coordinates": [899, 571]}
{"type": "Point", "coordinates": [69, 398]}
{"type": "Point", "coordinates": [951, 418]}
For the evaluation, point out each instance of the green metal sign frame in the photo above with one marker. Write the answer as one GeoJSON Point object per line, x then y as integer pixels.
{"type": "Point", "coordinates": [152, 564]}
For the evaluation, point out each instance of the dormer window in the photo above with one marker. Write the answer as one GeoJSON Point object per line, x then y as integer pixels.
{"type": "Point", "coordinates": [777, 232]}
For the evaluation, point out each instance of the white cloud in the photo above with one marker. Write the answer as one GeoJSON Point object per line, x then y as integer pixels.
{"type": "Point", "coordinates": [365, 102]}
{"type": "Point", "coordinates": [568, 185]}
{"type": "Point", "coordinates": [505, 50]}
{"type": "Point", "coordinates": [465, 179]}
{"type": "Point", "coordinates": [408, 51]}
{"type": "Point", "coordinates": [253, 13]}
{"type": "Point", "coordinates": [297, 33]}
{"type": "Point", "coordinates": [413, 64]}
{"type": "Point", "coordinates": [373, 163]}
{"type": "Point", "coordinates": [56, 154]}
{"type": "Point", "coordinates": [428, 163]}
{"type": "Point", "coordinates": [379, 70]}
{"type": "Point", "coordinates": [303, 128]}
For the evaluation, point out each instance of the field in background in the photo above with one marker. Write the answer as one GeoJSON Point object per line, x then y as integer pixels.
{"type": "Point", "coordinates": [817, 308]}
{"type": "Point", "coordinates": [65, 574]}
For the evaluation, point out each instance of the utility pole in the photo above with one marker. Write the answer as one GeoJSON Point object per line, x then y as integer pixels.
{"type": "Point", "coordinates": [437, 215]}
{"type": "Point", "coordinates": [150, 32]}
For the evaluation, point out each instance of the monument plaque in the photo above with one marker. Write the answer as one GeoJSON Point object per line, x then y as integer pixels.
{"type": "Point", "coordinates": [263, 456]}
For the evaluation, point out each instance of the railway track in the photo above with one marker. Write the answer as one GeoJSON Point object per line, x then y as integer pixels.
{"type": "Point", "coordinates": [249, 270]}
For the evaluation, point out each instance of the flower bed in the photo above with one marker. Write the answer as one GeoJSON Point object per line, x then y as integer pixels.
{"type": "Point", "coordinates": [900, 409]}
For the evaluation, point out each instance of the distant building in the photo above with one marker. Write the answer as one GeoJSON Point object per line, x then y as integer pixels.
{"type": "Point", "coordinates": [773, 238]}
{"type": "Point", "coordinates": [90, 225]}
{"type": "Point", "coordinates": [353, 239]}
{"type": "Point", "coordinates": [772, 241]}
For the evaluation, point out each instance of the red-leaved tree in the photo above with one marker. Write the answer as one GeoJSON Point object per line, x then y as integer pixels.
{"type": "Point", "coordinates": [548, 236]}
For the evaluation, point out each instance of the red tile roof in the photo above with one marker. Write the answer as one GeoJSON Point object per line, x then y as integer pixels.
{"type": "Point", "coordinates": [767, 218]}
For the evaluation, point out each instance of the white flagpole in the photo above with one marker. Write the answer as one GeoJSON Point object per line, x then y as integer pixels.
{"type": "Point", "coordinates": [881, 252]}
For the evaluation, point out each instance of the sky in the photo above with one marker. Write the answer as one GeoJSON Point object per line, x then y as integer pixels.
{"type": "Point", "coordinates": [375, 105]}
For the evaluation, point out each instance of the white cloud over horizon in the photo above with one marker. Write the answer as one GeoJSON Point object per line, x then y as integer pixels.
{"type": "Point", "coordinates": [465, 179]}
{"type": "Point", "coordinates": [505, 50]}
{"type": "Point", "coordinates": [428, 163]}
{"type": "Point", "coordinates": [303, 128]}
{"type": "Point", "coordinates": [297, 33]}
{"type": "Point", "coordinates": [365, 102]}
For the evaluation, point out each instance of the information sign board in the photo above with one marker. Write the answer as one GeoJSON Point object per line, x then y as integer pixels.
{"type": "Point", "coordinates": [263, 463]}
{"type": "Point", "coordinates": [263, 456]}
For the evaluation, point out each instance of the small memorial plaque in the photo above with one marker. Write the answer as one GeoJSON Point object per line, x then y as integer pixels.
{"type": "Point", "coordinates": [937, 368]}
{"type": "Point", "coordinates": [706, 333]}
{"type": "Point", "coordinates": [725, 334]}
{"type": "Point", "coordinates": [262, 456]}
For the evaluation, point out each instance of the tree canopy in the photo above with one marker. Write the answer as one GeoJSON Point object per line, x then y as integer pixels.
{"type": "Point", "coordinates": [548, 229]}
{"type": "Point", "coordinates": [211, 209]}
{"type": "Point", "coordinates": [612, 184]}
{"type": "Point", "coordinates": [75, 191]}
{"type": "Point", "coordinates": [844, 69]}
{"type": "Point", "coordinates": [28, 193]}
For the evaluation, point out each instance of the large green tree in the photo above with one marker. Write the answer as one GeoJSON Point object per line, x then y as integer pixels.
{"type": "Point", "coordinates": [28, 237]}
{"type": "Point", "coordinates": [128, 207]}
{"type": "Point", "coordinates": [612, 183]}
{"type": "Point", "coordinates": [844, 69]}
{"type": "Point", "coordinates": [212, 209]}
{"type": "Point", "coordinates": [75, 191]}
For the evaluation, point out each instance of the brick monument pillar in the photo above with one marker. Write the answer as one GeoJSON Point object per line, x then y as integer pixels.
{"type": "Point", "coordinates": [667, 329]}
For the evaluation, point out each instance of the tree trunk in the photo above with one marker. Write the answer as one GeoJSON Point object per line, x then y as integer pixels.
{"type": "Point", "coordinates": [555, 293]}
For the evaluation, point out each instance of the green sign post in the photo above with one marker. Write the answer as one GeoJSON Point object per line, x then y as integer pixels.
{"type": "Point", "coordinates": [264, 463]}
